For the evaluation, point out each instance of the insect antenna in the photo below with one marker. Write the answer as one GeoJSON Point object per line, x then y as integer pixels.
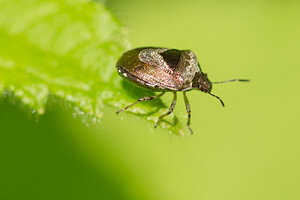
{"type": "Point", "coordinates": [232, 80]}
{"type": "Point", "coordinates": [218, 98]}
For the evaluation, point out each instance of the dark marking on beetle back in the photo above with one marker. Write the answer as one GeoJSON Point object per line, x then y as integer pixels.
{"type": "Point", "coordinates": [171, 57]}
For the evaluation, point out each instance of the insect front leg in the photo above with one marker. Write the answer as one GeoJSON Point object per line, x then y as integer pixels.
{"type": "Point", "coordinates": [170, 109]}
{"type": "Point", "coordinates": [188, 110]}
{"type": "Point", "coordinates": [142, 99]}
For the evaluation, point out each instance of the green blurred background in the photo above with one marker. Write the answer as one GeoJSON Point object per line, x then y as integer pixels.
{"type": "Point", "coordinates": [247, 150]}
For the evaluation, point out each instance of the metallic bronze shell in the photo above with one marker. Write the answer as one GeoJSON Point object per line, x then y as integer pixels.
{"type": "Point", "coordinates": [161, 69]}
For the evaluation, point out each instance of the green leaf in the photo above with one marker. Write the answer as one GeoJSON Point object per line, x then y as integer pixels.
{"type": "Point", "coordinates": [69, 49]}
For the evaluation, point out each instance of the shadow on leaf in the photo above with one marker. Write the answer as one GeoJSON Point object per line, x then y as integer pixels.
{"type": "Point", "coordinates": [137, 93]}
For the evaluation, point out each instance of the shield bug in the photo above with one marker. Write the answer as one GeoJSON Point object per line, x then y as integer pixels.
{"type": "Point", "coordinates": [165, 70]}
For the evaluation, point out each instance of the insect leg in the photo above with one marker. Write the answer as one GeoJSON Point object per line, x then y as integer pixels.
{"type": "Point", "coordinates": [142, 99]}
{"type": "Point", "coordinates": [188, 110]}
{"type": "Point", "coordinates": [170, 109]}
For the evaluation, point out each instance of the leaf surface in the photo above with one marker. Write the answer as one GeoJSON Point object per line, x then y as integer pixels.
{"type": "Point", "coordinates": [68, 49]}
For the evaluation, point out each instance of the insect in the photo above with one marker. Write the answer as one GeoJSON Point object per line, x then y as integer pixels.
{"type": "Point", "coordinates": [165, 70]}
